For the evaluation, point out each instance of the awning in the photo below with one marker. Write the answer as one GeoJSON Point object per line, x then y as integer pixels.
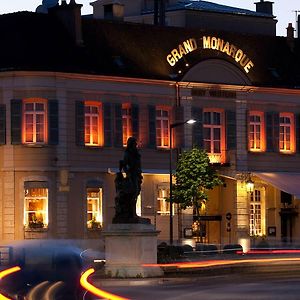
{"type": "Point", "coordinates": [287, 182]}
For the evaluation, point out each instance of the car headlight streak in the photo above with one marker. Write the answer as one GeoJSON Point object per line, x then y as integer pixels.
{"type": "Point", "coordinates": [92, 289]}
{"type": "Point", "coordinates": [5, 273]}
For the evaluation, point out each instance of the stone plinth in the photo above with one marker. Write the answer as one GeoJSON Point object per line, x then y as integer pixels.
{"type": "Point", "coordinates": [128, 247]}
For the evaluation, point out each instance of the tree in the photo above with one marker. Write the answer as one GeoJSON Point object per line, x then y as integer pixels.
{"type": "Point", "coordinates": [194, 176]}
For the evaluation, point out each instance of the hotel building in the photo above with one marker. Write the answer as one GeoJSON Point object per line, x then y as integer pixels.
{"type": "Point", "coordinates": [73, 88]}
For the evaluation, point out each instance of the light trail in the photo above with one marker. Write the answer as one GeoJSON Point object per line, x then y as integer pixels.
{"type": "Point", "coordinates": [271, 251]}
{"type": "Point", "coordinates": [213, 263]}
{"type": "Point", "coordinates": [5, 273]}
{"type": "Point", "coordinates": [92, 289]}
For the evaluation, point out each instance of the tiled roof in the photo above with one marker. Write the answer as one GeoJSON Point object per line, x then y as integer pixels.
{"type": "Point", "coordinates": [32, 41]}
{"type": "Point", "coordinates": [213, 7]}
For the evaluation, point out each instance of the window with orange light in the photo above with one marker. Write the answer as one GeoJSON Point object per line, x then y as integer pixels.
{"type": "Point", "coordinates": [163, 206]}
{"type": "Point", "coordinates": [93, 124]}
{"type": "Point", "coordinates": [286, 133]}
{"type": "Point", "coordinates": [162, 127]}
{"type": "Point", "coordinates": [256, 131]}
{"type": "Point", "coordinates": [213, 134]}
{"type": "Point", "coordinates": [36, 208]}
{"type": "Point", "coordinates": [127, 122]}
{"type": "Point", "coordinates": [94, 208]}
{"type": "Point", "coordinates": [35, 121]}
{"type": "Point", "coordinates": [256, 213]}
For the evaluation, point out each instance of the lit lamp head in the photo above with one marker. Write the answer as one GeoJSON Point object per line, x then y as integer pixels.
{"type": "Point", "coordinates": [249, 185]}
{"type": "Point", "coordinates": [191, 121]}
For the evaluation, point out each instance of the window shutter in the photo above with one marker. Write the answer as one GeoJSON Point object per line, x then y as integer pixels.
{"type": "Point", "coordinates": [135, 120]}
{"type": "Point", "coordinates": [53, 122]}
{"type": "Point", "coordinates": [230, 117]}
{"type": "Point", "coordinates": [179, 131]}
{"type": "Point", "coordinates": [16, 121]}
{"type": "Point", "coordinates": [297, 118]}
{"type": "Point", "coordinates": [276, 131]}
{"type": "Point", "coordinates": [269, 131]}
{"type": "Point", "coordinates": [79, 115]}
{"type": "Point", "coordinates": [118, 133]}
{"type": "Point", "coordinates": [107, 110]}
{"type": "Point", "coordinates": [2, 124]}
{"type": "Point", "coordinates": [247, 142]}
{"type": "Point", "coordinates": [197, 114]}
{"type": "Point", "coordinates": [152, 126]}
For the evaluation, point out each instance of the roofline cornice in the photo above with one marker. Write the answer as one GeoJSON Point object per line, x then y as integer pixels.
{"type": "Point", "coordinates": [181, 84]}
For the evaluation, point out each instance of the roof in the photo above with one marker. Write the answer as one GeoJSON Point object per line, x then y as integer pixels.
{"type": "Point", "coordinates": [213, 7]}
{"type": "Point", "coordinates": [33, 41]}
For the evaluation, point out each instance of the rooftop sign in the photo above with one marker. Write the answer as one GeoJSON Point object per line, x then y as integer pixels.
{"type": "Point", "coordinates": [213, 43]}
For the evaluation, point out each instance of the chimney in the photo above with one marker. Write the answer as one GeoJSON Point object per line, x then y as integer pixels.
{"type": "Point", "coordinates": [159, 12]}
{"type": "Point", "coordinates": [70, 16]}
{"type": "Point", "coordinates": [290, 36]}
{"type": "Point", "coordinates": [265, 7]}
{"type": "Point", "coordinates": [109, 9]}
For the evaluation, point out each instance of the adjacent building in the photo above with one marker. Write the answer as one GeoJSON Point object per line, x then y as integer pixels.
{"type": "Point", "coordinates": [73, 88]}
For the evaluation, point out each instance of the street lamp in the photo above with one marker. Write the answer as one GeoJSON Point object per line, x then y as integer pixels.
{"type": "Point", "coordinates": [190, 121]}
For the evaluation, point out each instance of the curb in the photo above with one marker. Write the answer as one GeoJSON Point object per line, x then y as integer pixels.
{"type": "Point", "coordinates": [177, 276]}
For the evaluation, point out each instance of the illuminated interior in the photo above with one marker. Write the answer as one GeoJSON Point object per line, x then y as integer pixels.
{"type": "Point", "coordinates": [93, 131]}
{"type": "Point", "coordinates": [286, 133]}
{"type": "Point", "coordinates": [34, 121]}
{"type": "Point", "coordinates": [94, 208]}
{"type": "Point", "coordinates": [163, 206]}
{"type": "Point", "coordinates": [126, 122]}
{"type": "Point", "coordinates": [162, 127]}
{"type": "Point", "coordinates": [139, 205]}
{"type": "Point", "coordinates": [257, 213]}
{"type": "Point", "coordinates": [36, 208]}
{"type": "Point", "coordinates": [257, 131]}
{"type": "Point", "coordinates": [214, 135]}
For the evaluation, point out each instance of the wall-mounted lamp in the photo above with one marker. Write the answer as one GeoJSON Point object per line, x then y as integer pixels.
{"type": "Point", "coordinates": [249, 185]}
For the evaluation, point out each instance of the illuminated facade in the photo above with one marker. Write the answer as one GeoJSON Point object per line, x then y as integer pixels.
{"type": "Point", "coordinates": [67, 110]}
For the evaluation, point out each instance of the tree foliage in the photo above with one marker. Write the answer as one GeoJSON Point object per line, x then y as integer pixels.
{"type": "Point", "coordinates": [194, 176]}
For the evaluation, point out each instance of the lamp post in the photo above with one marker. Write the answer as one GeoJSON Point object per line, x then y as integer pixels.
{"type": "Point", "coordinates": [190, 121]}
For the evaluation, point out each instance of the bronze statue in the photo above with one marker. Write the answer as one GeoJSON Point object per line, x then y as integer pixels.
{"type": "Point", "coordinates": [129, 187]}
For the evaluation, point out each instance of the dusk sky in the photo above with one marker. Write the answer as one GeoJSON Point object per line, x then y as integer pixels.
{"type": "Point", "coordinates": [283, 9]}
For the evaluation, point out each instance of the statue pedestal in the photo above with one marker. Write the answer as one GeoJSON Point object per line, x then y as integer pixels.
{"type": "Point", "coordinates": [128, 247]}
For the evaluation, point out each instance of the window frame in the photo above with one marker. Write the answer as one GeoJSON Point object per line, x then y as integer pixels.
{"type": "Point", "coordinates": [96, 223]}
{"type": "Point", "coordinates": [256, 201]}
{"type": "Point", "coordinates": [99, 116]}
{"type": "Point", "coordinates": [262, 135]}
{"type": "Point", "coordinates": [126, 118]}
{"type": "Point", "coordinates": [34, 114]}
{"type": "Point", "coordinates": [291, 126]}
{"type": "Point", "coordinates": [45, 211]}
{"type": "Point", "coordinates": [216, 157]}
{"type": "Point", "coordinates": [164, 203]}
{"type": "Point", "coordinates": [162, 130]}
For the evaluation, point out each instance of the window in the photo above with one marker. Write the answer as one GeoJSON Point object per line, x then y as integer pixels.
{"type": "Point", "coordinates": [93, 121]}
{"type": "Point", "coordinates": [36, 208]}
{"type": "Point", "coordinates": [35, 121]}
{"type": "Point", "coordinates": [162, 128]}
{"type": "Point", "coordinates": [213, 131]}
{"type": "Point", "coordinates": [256, 131]}
{"type": "Point", "coordinates": [94, 208]}
{"type": "Point", "coordinates": [257, 212]}
{"type": "Point", "coordinates": [286, 132]}
{"type": "Point", "coordinates": [163, 206]}
{"type": "Point", "coordinates": [108, 11]}
{"type": "Point", "coordinates": [127, 122]}
{"type": "Point", "coordinates": [139, 205]}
